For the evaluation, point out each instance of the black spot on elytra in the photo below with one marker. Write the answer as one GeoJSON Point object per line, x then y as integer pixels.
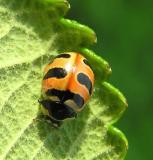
{"type": "Point", "coordinates": [65, 55]}
{"type": "Point", "coordinates": [55, 72]}
{"type": "Point", "coordinates": [65, 95]}
{"type": "Point", "coordinates": [84, 80]}
{"type": "Point", "coordinates": [86, 62]}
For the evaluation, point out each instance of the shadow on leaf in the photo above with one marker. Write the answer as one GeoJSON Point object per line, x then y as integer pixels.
{"type": "Point", "coordinates": [63, 142]}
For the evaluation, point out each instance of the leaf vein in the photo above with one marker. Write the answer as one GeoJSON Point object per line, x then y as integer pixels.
{"type": "Point", "coordinates": [14, 141]}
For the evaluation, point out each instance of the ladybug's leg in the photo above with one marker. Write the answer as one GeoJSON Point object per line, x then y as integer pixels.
{"type": "Point", "coordinates": [49, 120]}
{"type": "Point", "coordinates": [55, 123]}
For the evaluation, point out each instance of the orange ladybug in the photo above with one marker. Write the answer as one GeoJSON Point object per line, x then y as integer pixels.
{"type": "Point", "coordinates": [67, 85]}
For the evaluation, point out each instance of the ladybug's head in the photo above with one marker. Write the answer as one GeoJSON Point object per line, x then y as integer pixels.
{"type": "Point", "coordinates": [58, 111]}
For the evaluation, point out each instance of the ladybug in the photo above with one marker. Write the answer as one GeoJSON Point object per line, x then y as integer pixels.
{"type": "Point", "coordinates": [67, 85]}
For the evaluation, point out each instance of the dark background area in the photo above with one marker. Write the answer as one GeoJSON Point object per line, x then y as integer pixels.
{"type": "Point", "coordinates": [124, 31]}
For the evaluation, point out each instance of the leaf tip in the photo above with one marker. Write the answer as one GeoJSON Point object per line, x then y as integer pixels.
{"type": "Point", "coordinates": [117, 138]}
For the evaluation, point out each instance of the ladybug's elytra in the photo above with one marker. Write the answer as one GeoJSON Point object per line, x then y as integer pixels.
{"type": "Point", "coordinates": [67, 85]}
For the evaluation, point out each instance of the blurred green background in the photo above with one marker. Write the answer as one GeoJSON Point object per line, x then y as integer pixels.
{"type": "Point", "coordinates": [124, 31]}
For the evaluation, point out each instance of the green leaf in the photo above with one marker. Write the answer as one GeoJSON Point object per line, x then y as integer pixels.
{"type": "Point", "coordinates": [31, 34]}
